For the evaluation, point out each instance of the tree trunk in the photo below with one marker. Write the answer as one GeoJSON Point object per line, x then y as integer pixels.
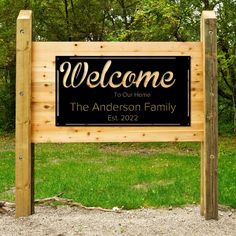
{"type": "Point", "coordinates": [67, 20]}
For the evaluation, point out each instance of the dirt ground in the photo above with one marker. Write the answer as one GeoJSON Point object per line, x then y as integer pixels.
{"type": "Point", "coordinates": [66, 220]}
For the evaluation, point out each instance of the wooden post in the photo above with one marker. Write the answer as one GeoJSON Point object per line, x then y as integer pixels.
{"type": "Point", "coordinates": [209, 193]}
{"type": "Point", "coordinates": [24, 206]}
{"type": "Point", "coordinates": [202, 204]}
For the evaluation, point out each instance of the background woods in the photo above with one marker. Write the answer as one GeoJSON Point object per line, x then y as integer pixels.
{"type": "Point", "coordinates": [120, 20]}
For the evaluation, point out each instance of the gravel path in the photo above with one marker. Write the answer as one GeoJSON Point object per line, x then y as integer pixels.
{"type": "Point", "coordinates": [65, 220]}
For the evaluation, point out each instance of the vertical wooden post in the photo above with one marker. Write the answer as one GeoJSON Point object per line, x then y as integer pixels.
{"type": "Point", "coordinates": [210, 145]}
{"type": "Point", "coordinates": [202, 204]}
{"type": "Point", "coordinates": [24, 206]}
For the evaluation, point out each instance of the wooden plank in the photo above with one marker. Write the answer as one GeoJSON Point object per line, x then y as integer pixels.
{"type": "Point", "coordinates": [209, 39]}
{"type": "Point", "coordinates": [43, 91]}
{"type": "Point", "coordinates": [73, 135]}
{"type": "Point", "coordinates": [181, 48]}
{"type": "Point", "coordinates": [24, 206]}
{"type": "Point", "coordinates": [44, 52]}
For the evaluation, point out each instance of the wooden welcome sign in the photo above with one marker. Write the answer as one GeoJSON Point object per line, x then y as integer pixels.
{"type": "Point", "coordinates": [116, 92]}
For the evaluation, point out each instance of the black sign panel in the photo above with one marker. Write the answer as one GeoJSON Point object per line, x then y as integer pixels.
{"type": "Point", "coordinates": [123, 91]}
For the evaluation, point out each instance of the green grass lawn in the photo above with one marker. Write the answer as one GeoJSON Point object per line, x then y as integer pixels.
{"type": "Point", "coordinates": [124, 175]}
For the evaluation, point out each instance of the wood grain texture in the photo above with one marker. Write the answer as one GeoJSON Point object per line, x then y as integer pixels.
{"type": "Point", "coordinates": [43, 92]}
{"type": "Point", "coordinates": [210, 146]}
{"type": "Point", "coordinates": [24, 205]}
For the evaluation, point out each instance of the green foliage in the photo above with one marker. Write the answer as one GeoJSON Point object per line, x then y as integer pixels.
{"type": "Point", "coordinates": [7, 170]}
{"type": "Point", "coordinates": [120, 20]}
{"type": "Point", "coordinates": [227, 61]}
{"type": "Point", "coordinates": [226, 117]}
{"type": "Point", "coordinates": [7, 106]}
{"type": "Point", "coordinates": [69, 20]}
{"type": "Point", "coordinates": [8, 14]}
{"type": "Point", "coordinates": [164, 21]}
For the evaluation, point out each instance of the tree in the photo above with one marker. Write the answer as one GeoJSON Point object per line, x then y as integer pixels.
{"type": "Point", "coordinates": [227, 58]}
{"type": "Point", "coordinates": [69, 20]}
{"type": "Point", "coordinates": [77, 20]}
{"type": "Point", "coordinates": [179, 20]}
{"type": "Point", "coordinates": [8, 14]}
